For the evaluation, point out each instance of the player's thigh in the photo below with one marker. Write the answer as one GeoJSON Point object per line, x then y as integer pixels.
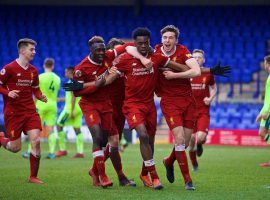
{"type": "Point", "coordinates": [50, 117]}
{"type": "Point", "coordinates": [14, 125]}
{"type": "Point", "coordinates": [172, 112]}
{"type": "Point", "coordinates": [201, 137]}
{"type": "Point", "coordinates": [32, 122]}
{"type": "Point", "coordinates": [63, 118]}
{"type": "Point", "coordinates": [262, 131]}
{"type": "Point", "coordinates": [189, 115]}
{"type": "Point", "coordinates": [203, 122]}
{"type": "Point", "coordinates": [76, 122]}
{"type": "Point", "coordinates": [134, 115]}
{"type": "Point", "coordinates": [151, 120]}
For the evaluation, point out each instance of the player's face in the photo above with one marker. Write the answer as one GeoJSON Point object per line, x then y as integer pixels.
{"type": "Point", "coordinates": [98, 54]}
{"type": "Point", "coordinates": [169, 41]}
{"type": "Point", "coordinates": [266, 66]}
{"type": "Point", "coordinates": [142, 44]}
{"type": "Point", "coordinates": [199, 57]}
{"type": "Point", "coordinates": [68, 73]}
{"type": "Point", "coordinates": [29, 52]}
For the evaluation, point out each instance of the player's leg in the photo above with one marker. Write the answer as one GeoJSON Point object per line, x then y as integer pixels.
{"type": "Point", "coordinates": [61, 122]}
{"type": "Point", "coordinates": [49, 118]}
{"type": "Point", "coordinates": [79, 143]}
{"type": "Point", "coordinates": [34, 138]}
{"type": "Point", "coordinates": [14, 127]}
{"type": "Point", "coordinates": [146, 132]}
{"type": "Point", "coordinates": [98, 155]}
{"type": "Point", "coordinates": [192, 152]}
{"type": "Point", "coordinates": [201, 139]}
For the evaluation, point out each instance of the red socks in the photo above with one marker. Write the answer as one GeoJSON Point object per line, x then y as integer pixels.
{"type": "Point", "coordinates": [193, 158]}
{"type": "Point", "coordinates": [181, 158]}
{"type": "Point", "coordinates": [34, 164]}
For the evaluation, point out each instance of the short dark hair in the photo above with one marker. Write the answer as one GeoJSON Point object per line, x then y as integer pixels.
{"type": "Point", "coordinates": [170, 28]}
{"type": "Point", "coordinates": [198, 51]}
{"type": "Point", "coordinates": [141, 31]}
{"type": "Point", "coordinates": [24, 42]}
{"type": "Point", "coordinates": [70, 68]}
{"type": "Point", "coordinates": [95, 39]}
{"type": "Point", "coordinates": [113, 42]}
{"type": "Point", "coordinates": [267, 59]}
{"type": "Point", "coordinates": [49, 62]}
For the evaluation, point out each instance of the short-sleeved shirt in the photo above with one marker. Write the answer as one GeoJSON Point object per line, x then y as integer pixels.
{"type": "Point", "coordinates": [139, 81]}
{"type": "Point", "coordinates": [174, 87]}
{"type": "Point", "coordinates": [200, 88]}
{"type": "Point", "coordinates": [49, 84]}
{"type": "Point", "coordinates": [88, 71]}
{"type": "Point", "coordinates": [15, 77]}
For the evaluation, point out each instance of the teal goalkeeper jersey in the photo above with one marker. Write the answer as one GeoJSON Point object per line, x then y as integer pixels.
{"type": "Point", "coordinates": [49, 84]}
{"type": "Point", "coordinates": [266, 104]}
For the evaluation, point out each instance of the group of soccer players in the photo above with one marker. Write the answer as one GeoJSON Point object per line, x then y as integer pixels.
{"type": "Point", "coordinates": [134, 72]}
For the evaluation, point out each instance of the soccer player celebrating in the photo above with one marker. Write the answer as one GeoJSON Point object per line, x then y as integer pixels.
{"type": "Point", "coordinates": [18, 82]}
{"type": "Point", "coordinates": [139, 107]}
{"type": "Point", "coordinates": [49, 85]}
{"type": "Point", "coordinates": [71, 115]}
{"type": "Point", "coordinates": [97, 109]}
{"type": "Point", "coordinates": [204, 90]}
{"type": "Point", "coordinates": [264, 117]}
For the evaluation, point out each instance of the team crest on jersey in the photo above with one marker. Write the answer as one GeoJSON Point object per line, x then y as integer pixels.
{"type": "Point", "coordinates": [188, 55]}
{"type": "Point", "coordinates": [94, 73]}
{"type": "Point", "coordinates": [32, 75]}
{"type": "Point", "coordinates": [19, 74]}
{"type": "Point", "coordinates": [204, 79]}
{"type": "Point", "coordinates": [134, 119]}
{"type": "Point", "coordinates": [171, 120]}
{"type": "Point", "coordinates": [134, 64]}
{"type": "Point", "coordinates": [106, 64]}
{"type": "Point", "coordinates": [2, 72]}
{"type": "Point", "coordinates": [78, 73]}
{"type": "Point", "coordinates": [91, 117]}
{"type": "Point", "coordinates": [174, 59]}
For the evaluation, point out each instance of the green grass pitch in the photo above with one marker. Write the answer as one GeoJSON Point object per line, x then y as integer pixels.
{"type": "Point", "coordinates": [224, 173]}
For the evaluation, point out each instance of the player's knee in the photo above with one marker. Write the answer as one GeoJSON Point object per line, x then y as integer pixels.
{"type": "Point", "coordinates": [15, 149]}
{"type": "Point", "coordinates": [262, 133]}
{"type": "Point", "coordinates": [114, 140]}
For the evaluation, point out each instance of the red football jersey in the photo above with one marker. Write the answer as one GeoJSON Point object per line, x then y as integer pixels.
{"type": "Point", "coordinates": [140, 82]}
{"type": "Point", "coordinates": [175, 87]}
{"type": "Point", "coordinates": [88, 71]}
{"type": "Point", "coordinates": [200, 88]}
{"type": "Point", "coordinates": [15, 77]}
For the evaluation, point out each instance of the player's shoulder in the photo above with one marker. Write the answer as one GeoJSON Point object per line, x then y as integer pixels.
{"type": "Point", "coordinates": [158, 47]}
{"type": "Point", "coordinates": [82, 64]}
{"type": "Point", "coordinates": [10, 65]}
{"type": "Point", "coordinates": [181, 47]}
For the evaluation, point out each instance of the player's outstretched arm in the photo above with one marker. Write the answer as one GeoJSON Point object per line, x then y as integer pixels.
{"type": "Point", "coordinates": [217, 70]}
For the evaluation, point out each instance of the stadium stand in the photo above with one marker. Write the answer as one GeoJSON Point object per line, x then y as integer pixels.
{"type": "Point", "coordinates": [229, 34]}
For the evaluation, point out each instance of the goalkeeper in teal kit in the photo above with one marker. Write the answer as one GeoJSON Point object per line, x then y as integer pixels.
{"type": "Point", "coordinates": [71, 115]}
{"type": "Point", "coordinates": [264, 115]}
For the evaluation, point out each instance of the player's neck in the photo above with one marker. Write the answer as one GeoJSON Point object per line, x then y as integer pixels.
{"type": "Point", "coordinates": [22, 62]}
{"type": "Point", "coordinates": [168, 53]}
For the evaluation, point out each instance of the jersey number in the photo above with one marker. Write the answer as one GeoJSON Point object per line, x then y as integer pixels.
{"type": "Point", "coordinates": [51, 87]}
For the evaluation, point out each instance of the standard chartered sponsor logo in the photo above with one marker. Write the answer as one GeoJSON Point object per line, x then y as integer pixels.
{"type": "Point", "coordinates": [24, 82]}
{"type": "Point", "coordinates": [198, 86]}
{"type": "Point", "coordinates": [142, 71]}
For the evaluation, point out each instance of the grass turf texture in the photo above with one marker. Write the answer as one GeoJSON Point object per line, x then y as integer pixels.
{"type": "Point", "coordinates": [224, 173]}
